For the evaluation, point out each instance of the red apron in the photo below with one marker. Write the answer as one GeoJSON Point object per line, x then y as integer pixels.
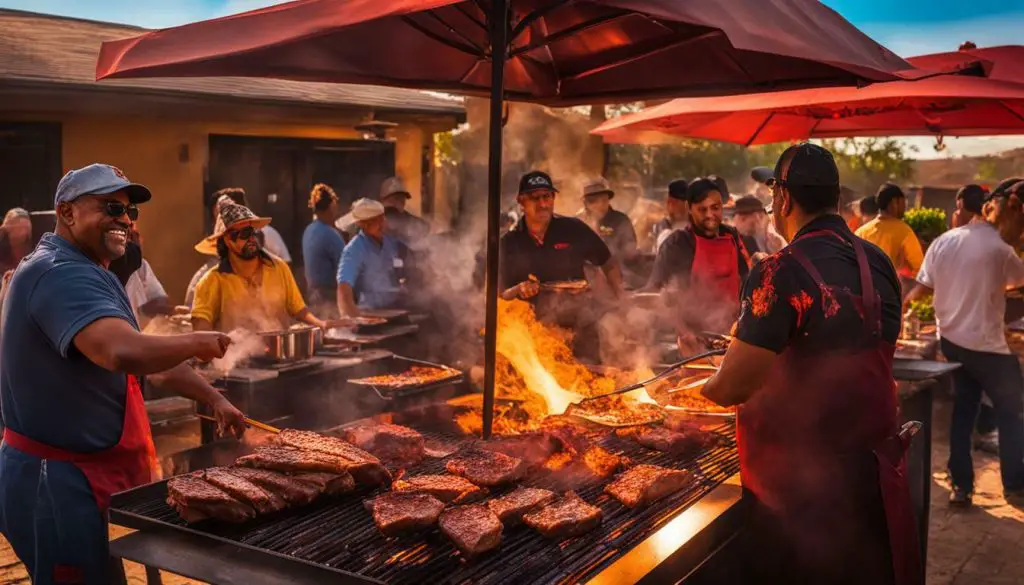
{"type": "Point", "coordinates": [131, 462]}
{"type": "Point", "coordinates": [819, 450]}
{"type": "Point", "coordinates": [716, 264]}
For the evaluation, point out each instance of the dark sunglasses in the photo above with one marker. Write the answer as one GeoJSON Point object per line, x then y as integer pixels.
{"type": "Point", "coordinates": [243, 234]}
{"type": "Point", "coordinates": [117, 209]}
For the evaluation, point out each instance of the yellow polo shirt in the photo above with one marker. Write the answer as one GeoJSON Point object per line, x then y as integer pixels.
{"type": "Point", "coordinates": [228, 302]}
{"type": "Point", "coordinates": [897, 240]}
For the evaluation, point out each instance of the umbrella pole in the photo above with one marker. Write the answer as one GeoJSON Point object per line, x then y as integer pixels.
{"type": "Point", "coordinates": [498, 32]}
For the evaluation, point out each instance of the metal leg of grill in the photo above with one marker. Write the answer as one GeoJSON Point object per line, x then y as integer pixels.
{"type": "Point", "coordinates": [153, 576]}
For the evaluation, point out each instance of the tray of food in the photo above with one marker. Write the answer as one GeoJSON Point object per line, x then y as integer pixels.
{"type": "Point", "coordinates": [367, 323]}
{"type": "Point", "coordinates": [686, 397]}
{"type": "Point", "coordinates": [414, 376]}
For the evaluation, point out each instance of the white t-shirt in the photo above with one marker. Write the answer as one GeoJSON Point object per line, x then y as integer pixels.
{"type": "Point", "coordinates": [274, 243]}
{"type": "Point", "coordinates": [970, 268]}
{"type": "Point", "coordinates": [143, 287]}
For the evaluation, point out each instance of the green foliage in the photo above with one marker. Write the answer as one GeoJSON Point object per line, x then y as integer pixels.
{"type": "Point", "coordinates": [866, 163]}
{"type": "Point", "coordinates": [927, 223]}
{"type": "Point", "coordinates": [923, 309]}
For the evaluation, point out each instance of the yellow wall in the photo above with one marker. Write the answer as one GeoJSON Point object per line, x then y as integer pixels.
{"type": "Point", "coordinates": [149, 151]}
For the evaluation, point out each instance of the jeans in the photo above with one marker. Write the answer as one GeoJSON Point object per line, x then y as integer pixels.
{"type": "Point", "coordinates": [998, 376]}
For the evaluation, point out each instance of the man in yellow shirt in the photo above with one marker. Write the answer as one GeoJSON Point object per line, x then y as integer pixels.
{"type": "Point", "coordinates": [249, 288]}
{"type": "Point", "coordinates": [889, 232]}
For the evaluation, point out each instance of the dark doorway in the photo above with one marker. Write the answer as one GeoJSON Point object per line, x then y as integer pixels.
{"type": "Point", "coordinates": [278, 173]}
{"type": "Point", "coordinates": [30, 162]}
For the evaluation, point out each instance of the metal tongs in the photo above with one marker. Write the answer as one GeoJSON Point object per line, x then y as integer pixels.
{"type": "Point", "coordinates": [664, 374]}
{"type": "Point", "coordinates": [252, 423]}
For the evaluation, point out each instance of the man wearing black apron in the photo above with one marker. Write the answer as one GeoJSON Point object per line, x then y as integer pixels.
{"type": "Point", "coordinates": [811, 368]}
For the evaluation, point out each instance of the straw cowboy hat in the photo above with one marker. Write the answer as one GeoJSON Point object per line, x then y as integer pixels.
{"type": "Point", "coordinates": [393, 186]}
{"type": "Point", "coordinates": [232, 216]}
{"type": "Point", "coordinates": [598, 187]}
{"type": "Point", "coordinates": [362, 210]}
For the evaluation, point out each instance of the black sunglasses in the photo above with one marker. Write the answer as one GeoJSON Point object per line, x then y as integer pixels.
{"type": "Point", "coordinates": [242, 234]}
{"type": "Point", "coordinates": [117, 209]}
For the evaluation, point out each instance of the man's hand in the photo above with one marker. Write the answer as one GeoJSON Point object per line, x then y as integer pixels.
{"type": "Point", "coordinates": [230, 420]}
{"type": "Point", "coordinates": [209, 345]}
{"type": "Point", "coordinates": [527, 289]}
{"type": "Point", "coordinates": [343, 323]}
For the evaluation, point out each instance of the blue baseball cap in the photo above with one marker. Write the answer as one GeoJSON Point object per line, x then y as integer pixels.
{"type": "Point", "coordinates": [98, 179]}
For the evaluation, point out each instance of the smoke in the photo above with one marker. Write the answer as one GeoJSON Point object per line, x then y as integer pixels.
{"type": "Point", "coordinates": [244, 345]}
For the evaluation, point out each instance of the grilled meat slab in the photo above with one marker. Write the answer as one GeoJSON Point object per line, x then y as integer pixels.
{"type": "Point", "coordinates": [195, 499]}
{"type": "Point", "coordinates": [570, 516]}
{"type": "Point", "coordinates": [289, 460]}
{"type": "Point", "coordinates": [388, 442]}
{"type": "Point", "coordinates": [669, 441]}
{"type": "Point", "coordinates": [447, 488]}
{"type": "Point", "coordinates": [644, 484]}
{"type": "Point", "coordinates": [293, 491]}
{"type": "Point", "coordinates": [511, 507]}
{"type": "Point", "coordinates": [395, 513]}
{"type": "Point", "coordinates": [244, 490]}
{"type": "Point", "coordinates": [533, 448]}
{"type": "Point", "coordinates": [486, 468]}
{"type": "Point", "coordinates": [329, 483]}
{"type": "Point", "coordinates": [474, 528]}
{"type": "Point", "coordinates": [364, 467]}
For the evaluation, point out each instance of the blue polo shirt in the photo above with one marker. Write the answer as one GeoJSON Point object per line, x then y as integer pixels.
{"type": "Point", "coordinates": [322, 245]}
{"type": "Point", "coordinates": [49, 391]}
{"type": "Point", "coordinates": [369, 268]}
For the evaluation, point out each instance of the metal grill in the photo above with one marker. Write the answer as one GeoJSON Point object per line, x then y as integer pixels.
{"type": "Point", "coordinates": [340, 533]}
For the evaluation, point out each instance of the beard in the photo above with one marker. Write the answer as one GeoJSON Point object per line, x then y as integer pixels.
{"type": "Point", "coordinates": [249, 252]}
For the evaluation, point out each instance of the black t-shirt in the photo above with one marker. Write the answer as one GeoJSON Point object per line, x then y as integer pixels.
{"type": "Point", "coordinates": [782, 304]}
{"type": "Point", "coordinates": [568, 245]}
{"type": "Point", "coordinates": [617, 231]}
{"type": "Point", "coordinates": [405, 226]}
{"type": "Point", "coordinates": [674, 261]}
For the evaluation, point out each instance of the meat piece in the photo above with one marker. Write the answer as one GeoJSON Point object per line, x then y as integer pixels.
{"type": "Point", "coordinates": [533, 448]}
{"type": "Point", "coordinates": [196, 499]}
{"type": "Point", "coordinates": [511, 507]}
{"type": "Point", "coordinates": [395, 513]}
{"type": "Point", "coordinates": [329, 483]}
{"type": "Point", "coordinates": [669, 441]}
{"type": "Point", "coordinates": [295, 492]}
{"type": "Point", "coordinates": [644, 484]}
{"type": "Point", "coordinates": [570, 516]}
{"type": "Point", "coordinates": [244, 490]}
{"type": "Point", "coordinates": [288, 460]}
{"type": "Point", "coordinates": [602, 462]}
{"type": "Point", "coordinates": [364, 467]}
{"type": "Point", "coordinates": [574, 470]}
{"type": "Point", "coordinates": [390, 442]}
{"type": "Point", "coordinates": [447, 488]}
{"type": "Point", "coordinates": [474, 528]}
{"type": "Point", "coordinates": [486, 468]}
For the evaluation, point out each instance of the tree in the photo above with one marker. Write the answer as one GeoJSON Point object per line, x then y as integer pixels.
{"type": "Point", "coordinates": [866, 163]}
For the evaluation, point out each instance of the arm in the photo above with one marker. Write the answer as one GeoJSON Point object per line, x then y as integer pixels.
{"type": "Point", "coordinates": [113, 344]}
{"type": "Point", "coordinates": [347, 301]}
{"type": "Point", "coordinates": [743, 371]}
{"type": "Point", "coordinates": [912, 252]}
{"type": "Point", "coordinates": [183, 381]}
{"type": "Point", "coordinates": [674, 260]}
{"type": "Point", "coordinates": [349, 268]}
{"type": "Point", "coordinates": [917, 293]}
{"type": "Point", "coordinates": [614, 275]}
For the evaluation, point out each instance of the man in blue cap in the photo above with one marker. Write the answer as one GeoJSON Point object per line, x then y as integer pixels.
{"type": "Point", "coordinates": [76, 425]}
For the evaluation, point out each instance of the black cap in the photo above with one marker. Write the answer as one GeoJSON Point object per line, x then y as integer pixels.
{"type": "Point", "coordinates": [886, 193]}
{"type": "Point", "coordinates": [1005, 191]}
{"type": "Point", "coordinates": [536, 181]}
{"type": "Point", "coordinates": [973, 197]}
{"type": "Point", "coordinates": [748, 204]}
{"type": "Point", "coordinates": [699, 188]}
{"type": "Point", "coordinates": [1004, 185]}
{"type": "Point", "coordinates": [809, 166]}
{"type": "Point", "coordinates": [761, 174]}
{"type": "Point", "coordinates": [723, 187]}
{"type": "Point", "coordinates": [677, 189]}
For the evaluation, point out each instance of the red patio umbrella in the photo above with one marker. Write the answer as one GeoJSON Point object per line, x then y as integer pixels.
{"type": "Point", "coordinates": [941, 105]}
{"type": "Point", "coordinates": [558, 52]}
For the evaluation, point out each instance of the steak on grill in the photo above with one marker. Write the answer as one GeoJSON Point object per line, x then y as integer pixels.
{"type": "Point", "coordinates": [533, 448]}
{"type": "Point", "coordinates": [644, 484]}
{"type": "Point", "coordinates": [195, 499]}
{"type": "Point", "coordinates": [669, 441]}
{"type": "Point", "coordinates": [295, 492]}
{"type": "Point", "coordinates": [447, 488]}
{"type": "Point", "coordinates": [474, 528]}
{"type": "Point", "coordinates": [244, 490]}
{"type": "Point", "coordinates": [329, 483]}
{"type": "Point", "coordinates": [389, 442]}
{"type": "Point", "coordinates": [364, 467]}
{"type": "Point", "coordinates": [511, 507]}
{"type": "Point", "coordinates": [570, 516]}
{"type": "Point", "coordinates": [486, 468]}
{"type": "Point", "coordinates": [288, 460]}
{"type": "Point", "coordinates": [395, 513]}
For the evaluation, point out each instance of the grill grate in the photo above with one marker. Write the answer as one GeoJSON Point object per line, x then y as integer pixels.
{"type": "Point", "coordinates": [340, 533]}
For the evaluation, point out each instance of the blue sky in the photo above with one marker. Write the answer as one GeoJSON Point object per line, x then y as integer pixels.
{"type": "Point", "coordinates": [908, 27]}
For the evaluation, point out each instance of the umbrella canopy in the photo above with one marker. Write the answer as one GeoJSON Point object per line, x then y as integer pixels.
{"type": "Point", "coordinates": [561, 52]}
{"type": "Point", "coordinates": [942, 105]}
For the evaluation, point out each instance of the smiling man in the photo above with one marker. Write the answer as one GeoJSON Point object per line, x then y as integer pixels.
{"type": "Point", "coordinates": [76, 425]}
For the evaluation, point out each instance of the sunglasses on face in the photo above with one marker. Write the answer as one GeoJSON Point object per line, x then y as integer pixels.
{"type": "Point", "coordinates": [117, 209]}
{"type": "Point", "coordinates": [242, 234]}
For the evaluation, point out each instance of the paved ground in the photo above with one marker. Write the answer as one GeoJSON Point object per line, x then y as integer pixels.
{"type": "Point", "coordinates": [980, 546]}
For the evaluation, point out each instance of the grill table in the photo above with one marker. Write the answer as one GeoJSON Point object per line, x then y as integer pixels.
{"type": "Point", "coordinates": [335, 541]}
